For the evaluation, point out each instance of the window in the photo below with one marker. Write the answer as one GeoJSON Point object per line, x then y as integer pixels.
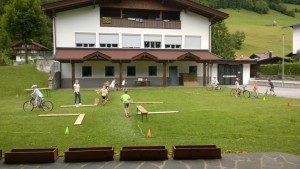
{"type": "Point", "coordinates": [173, 42]}
{"type": "Point", "coordinates": [152, 70]}
{"type": "Point", "coordinates": [109, 40]}
{"type": "Point", "coordinates": [131, 71]}
{"type": "Point", "coordinates": [86, 71]}
{"type": "Point", "coordinates": [193, 69]}
{"type": "Point", "coordinates": [131, 41]}
{"type": "Point", "coordinates": [85, 40]}
{"type": "Point", "coordinates": [109, 71]}
{"type": "Point", "coordinates": [152, 41]}
{"type": "Point", "coordinates": [192, 42]}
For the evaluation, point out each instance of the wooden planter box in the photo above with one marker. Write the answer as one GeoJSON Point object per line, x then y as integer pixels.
{"type": "Point", "coordinates": [136, 153]}
{"type": "Point", "coordinates": [88, 154]}
{"type": "Point", "coordinates": [181, 152]}
{"type": "Point", "coordinates": [43, 155]}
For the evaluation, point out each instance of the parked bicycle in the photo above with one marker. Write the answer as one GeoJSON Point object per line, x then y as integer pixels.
{"type": "Point", "coordinates": [211, 87]}
{"type": "Point", "coordinates": [244, 92]}
{"type": "Point", "coordinates": [29, 105]}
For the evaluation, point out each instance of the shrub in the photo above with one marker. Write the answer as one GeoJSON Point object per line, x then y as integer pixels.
{"type": "Point", "coordinates": [275, 69]}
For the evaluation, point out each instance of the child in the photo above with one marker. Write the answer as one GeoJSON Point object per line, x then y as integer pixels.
{"type": "Point", "coordinates": [123, 84]}
{"type": "Point", "coordinates": [271, 85]}
{"type": "Point", "coordinates": [37, 94]}
{"type": "Point", "coordinates": [255, 90]}
{"type": "Point", "coordinates": [76, 87]}
{"type": "Point", "coordinates": [125, 98]}
{"type": "Point", "coordinates": [215, 83]}
{"type": "Point", "coordinates": [237, 87]}
{"type": "Point", "coordinates": [104, 93]}
{"type": "Point", "coordinates": [112, 84]}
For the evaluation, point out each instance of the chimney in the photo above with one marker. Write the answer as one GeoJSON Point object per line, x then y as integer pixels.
{"type": "Point", "coordinates": [270, 54]}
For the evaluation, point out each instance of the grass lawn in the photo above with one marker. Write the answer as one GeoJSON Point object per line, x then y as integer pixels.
{"type": "Point", "coordinates": [205, 117]}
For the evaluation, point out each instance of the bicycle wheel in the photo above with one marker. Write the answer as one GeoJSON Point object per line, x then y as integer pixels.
{"type": "Point", "coordinates": [233, 92]}
{"type": "Point", "coordinates": [209, 87]}
{"type": "Point", "coordinates": [28, 106]}
{"type": "Point", "coordinates": [246, 94]}
{"type": "Point", "coordinates": [47, 106]}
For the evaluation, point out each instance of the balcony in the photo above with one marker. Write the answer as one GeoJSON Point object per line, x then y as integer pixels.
{"type": "Point", "coordinates": [139, 23]}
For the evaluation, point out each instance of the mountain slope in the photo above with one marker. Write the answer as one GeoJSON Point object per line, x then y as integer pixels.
{"type": "Point", "coordinates": [261, 36]}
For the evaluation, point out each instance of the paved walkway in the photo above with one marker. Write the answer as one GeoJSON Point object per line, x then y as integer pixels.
{"type": "Point", "coordinates": [228, 161]}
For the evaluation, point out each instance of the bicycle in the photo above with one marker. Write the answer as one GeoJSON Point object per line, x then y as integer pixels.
{"type": "Point", "coordinates": [29, 105]}
{"type": "Point", "coordinates": [244, 92]}
{"type": "Point", "coordinates": [268, 92]}
{"type": "Point", "coordinates": [211, 87]}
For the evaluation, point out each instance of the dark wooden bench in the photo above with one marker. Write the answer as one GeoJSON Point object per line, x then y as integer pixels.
{"type": "Point", "coordinates": [89, 154]}
{"type": "Point", "coordinates": [43, 155]}
{"type": "Point", "coordinates": [138, 153]}
{"type": "Point", "coordinates": [181, 152]}
{"type": "Point", "coordinates": [141, 110]}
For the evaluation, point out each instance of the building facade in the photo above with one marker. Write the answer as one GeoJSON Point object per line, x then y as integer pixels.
{"type": "Point", "coordinates": [166, 42]}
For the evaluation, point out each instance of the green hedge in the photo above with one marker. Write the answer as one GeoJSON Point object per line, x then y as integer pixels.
{"type": "Point", "coordinates": [276, 69]}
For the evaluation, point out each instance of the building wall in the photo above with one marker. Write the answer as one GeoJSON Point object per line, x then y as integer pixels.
{"type": "Point", "coordinates": [296, 39]}
{"type": "Point", "coordinates": [246, 73]}
{"type": "Point", "coordinates": [87, 19]}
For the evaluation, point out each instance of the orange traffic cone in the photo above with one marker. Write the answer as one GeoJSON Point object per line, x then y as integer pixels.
{"type": "Point", "coordinates": [149, 133]}
{"type": "Point", "coordinates": [289, 104]}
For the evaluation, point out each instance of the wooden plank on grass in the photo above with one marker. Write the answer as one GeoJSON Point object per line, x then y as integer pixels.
{"type": "Point", "coordinates": [146, 102]}
{"type": "Point", "coordinates": [57, 115]}
{"type": "Point", "coordinates": [79, 119]}
{"type": "Point", "coordinates": [161, 112]}
{"type": "Point", "coordinates": [83, 105]}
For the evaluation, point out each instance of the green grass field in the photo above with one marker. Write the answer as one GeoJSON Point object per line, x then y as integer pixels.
{"type": "Point", "coordinates": [260, 35]}
{"type": "Point", "coordinates": [204, 117]}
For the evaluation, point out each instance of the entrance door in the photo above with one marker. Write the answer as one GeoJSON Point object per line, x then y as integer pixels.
{"type": "Point", "coordinates": [173, 79]}
{"type": "Point", "coordinates": [228, 74]}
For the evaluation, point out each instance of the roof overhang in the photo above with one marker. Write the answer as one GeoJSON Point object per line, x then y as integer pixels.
{"type": "Point", "coordinates": [127, 55]}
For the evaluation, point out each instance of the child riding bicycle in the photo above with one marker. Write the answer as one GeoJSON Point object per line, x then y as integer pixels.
{"type": "Point", "coordinates": [37, 94]}
{"type": "Point", "coordinates": [214, 83]}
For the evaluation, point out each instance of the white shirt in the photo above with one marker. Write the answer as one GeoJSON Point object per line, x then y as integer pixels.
{"type": "Point", "coordinates": [112, 84]}
{"type": "Point", "coordinates": [123, 83]}
{"type": "Point", "coordinates": [214, 81]}
{"type": "Point", "coordinates": [37, 92]}
{"type": "Point", "coordinates": [76, 88]}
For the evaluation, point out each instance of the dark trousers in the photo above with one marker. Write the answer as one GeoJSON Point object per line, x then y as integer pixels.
{"type": "Point", "coordinates": [77, 95]}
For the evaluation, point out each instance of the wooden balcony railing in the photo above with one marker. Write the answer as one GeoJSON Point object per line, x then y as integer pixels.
{"type": "Point", "coordinates": [139, 23]}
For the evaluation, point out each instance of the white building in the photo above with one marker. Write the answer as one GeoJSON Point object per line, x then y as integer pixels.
{"type": "Point", "coordinates": [166, 42]}
{"type": "Point", "coordinates": [296, 37]}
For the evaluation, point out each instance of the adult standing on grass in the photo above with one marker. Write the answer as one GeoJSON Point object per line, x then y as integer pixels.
{"type": "Point", "coordinates": [125, 98]}
{"type": "Point", "coordinates": [76, 87]}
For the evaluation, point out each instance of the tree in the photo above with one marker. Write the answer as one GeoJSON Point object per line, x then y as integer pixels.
{"type": "Point", "coordinates": [24, 20]}
{"type": "Point", "coordinates": [222, 41]}
{"type": "Point", "coordinates": [237, 39]}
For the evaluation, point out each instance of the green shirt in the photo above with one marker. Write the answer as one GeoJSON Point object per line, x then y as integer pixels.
{"type": "Point", "coordinates": [125, 98]}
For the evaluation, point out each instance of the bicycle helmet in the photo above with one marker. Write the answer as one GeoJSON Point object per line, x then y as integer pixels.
{"type": "Point", "coordinates": [34, 86]}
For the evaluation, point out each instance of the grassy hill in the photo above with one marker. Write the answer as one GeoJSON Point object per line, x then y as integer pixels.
{"type": "Point", "coordinates": [14, 79]}
{"type": "Point", "coordinates": [261, 36]}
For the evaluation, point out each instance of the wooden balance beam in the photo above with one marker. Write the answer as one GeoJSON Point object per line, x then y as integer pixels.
{"type": "Point", "coordinates": [161, 112]}
{"type": "Point", "coordinates": [83, 105]}
{"type": "Point", "coordinates": [146, 102]}
{"type": "Point", "coordinates": [77, 122]}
